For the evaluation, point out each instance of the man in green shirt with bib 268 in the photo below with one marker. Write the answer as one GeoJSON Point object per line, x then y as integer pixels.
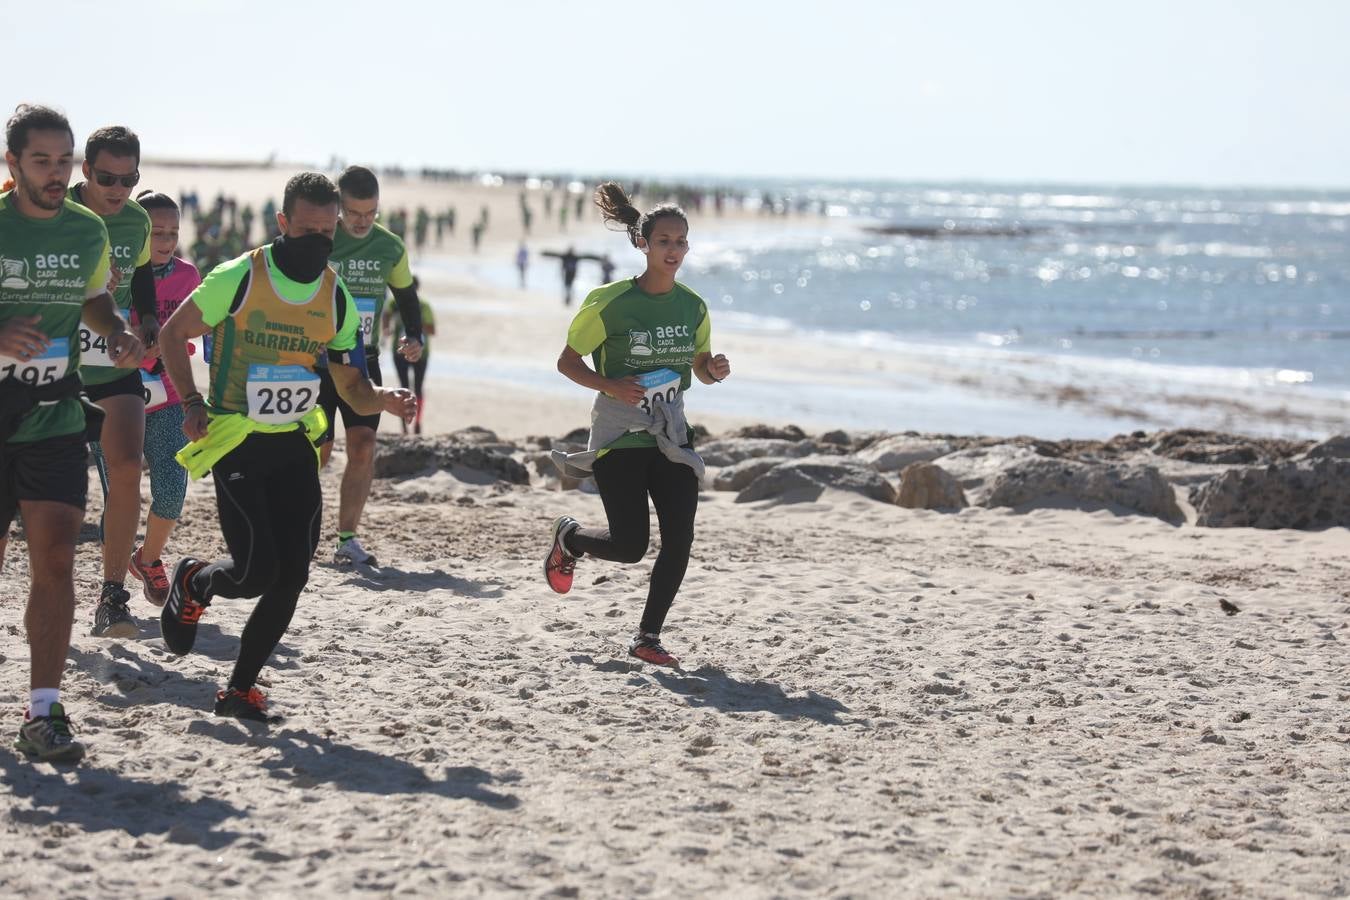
{"type": "Point", "coordinates": [54, 262]}
{"type": "Point", "coordinates": [370, 258]}
{"type": "Point", "coordinates": [112, 158]}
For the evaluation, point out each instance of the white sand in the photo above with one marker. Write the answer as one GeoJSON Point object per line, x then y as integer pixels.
{"type": "Point", "coordinates": [875, 702]}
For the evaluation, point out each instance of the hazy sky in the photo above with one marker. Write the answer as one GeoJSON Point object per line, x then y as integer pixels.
{"type": "Point", "coordinates": [1183, 91]}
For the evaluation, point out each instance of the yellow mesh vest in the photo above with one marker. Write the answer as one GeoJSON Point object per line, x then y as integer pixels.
{"type": "Point", "coordinates": [269, 330]}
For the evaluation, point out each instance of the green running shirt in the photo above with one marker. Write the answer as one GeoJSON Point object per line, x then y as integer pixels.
{"type": "Point", "coordinates": [627, 331]}
{"type": "Point", "coordinates": [370, 266]}
{"type": "Point", "coordinates": [49, 268]}
{"type": "Point", "coordinates": [129, 239]}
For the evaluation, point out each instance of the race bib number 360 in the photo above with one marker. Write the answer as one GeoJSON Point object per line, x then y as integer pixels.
{"type": "Point", "coordinates": [278, 395]}
{"type": "Point", "coordinates": [50, 367]}
{"type": "Point", "coordinates": [662, 386]}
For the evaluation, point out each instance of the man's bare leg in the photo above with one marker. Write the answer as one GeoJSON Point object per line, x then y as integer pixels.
{"type": "Point", "coordinates": [52, 529]}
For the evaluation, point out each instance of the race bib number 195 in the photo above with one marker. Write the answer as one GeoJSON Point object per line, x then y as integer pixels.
{"type": "Point", "coordinates": [48, 368]}
{"type": "Point", "coordinates": [278, 395]}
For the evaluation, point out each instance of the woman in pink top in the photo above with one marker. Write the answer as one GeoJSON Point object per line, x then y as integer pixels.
{"type": "Point", "coordinates": [175, 278]}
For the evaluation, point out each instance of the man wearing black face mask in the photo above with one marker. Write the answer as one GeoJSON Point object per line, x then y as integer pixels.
{"type": "Point", "coordinates": [270, 312]}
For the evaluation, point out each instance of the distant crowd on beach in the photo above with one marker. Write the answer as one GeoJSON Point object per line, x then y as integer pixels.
{"type": "Point", "coordinates": [223, 226]}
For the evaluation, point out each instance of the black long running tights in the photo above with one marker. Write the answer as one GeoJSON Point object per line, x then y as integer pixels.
{"type": "Point", "coordinates": [267, 490]}
{"type": "Point", "coordinates": [626, 478]}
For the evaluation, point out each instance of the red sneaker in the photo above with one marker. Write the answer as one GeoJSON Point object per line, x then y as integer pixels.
{"type": "Point", "coordinates": [647, 647]}
{"type": "Point", "coordinates": [154, 581]}
{"type": "Point", "coordinates": [240, 705]}
{"type": "Point", "coordinates": [559, 564]}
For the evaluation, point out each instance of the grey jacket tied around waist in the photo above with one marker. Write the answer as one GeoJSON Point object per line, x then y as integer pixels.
{"type": "Point", "coordinates": [611, 419]}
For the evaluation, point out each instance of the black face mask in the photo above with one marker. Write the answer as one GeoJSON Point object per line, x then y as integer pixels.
{"type": "Point", "coordinates": [302, 258]}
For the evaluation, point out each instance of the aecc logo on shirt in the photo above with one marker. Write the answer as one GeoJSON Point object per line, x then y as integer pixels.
{"type": "Point", "coordinates": [57, 261]}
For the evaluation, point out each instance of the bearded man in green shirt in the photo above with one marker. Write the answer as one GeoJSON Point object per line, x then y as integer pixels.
{"type": "Point", "coordinates": [54, 266]}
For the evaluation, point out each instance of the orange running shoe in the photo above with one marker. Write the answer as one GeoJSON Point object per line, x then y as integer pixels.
{"type": "Point", "coordinates": [178, 619]}
{"type": "Point", "coordinates": [559, 564]}
{"type": "Point", "coordinates": [647, 647]}
{"type": "Point", "coordinates": [237, 704]}
{"type": "Point", "coordinates": [154, 582]}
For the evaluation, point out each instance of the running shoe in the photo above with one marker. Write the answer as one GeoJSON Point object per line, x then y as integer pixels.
{"type": "Point", "coordinates": [559, 564]}
{"type": "Point", "coordinates": [111, 617]}
{"type": "Point", "coordinates": [647, 647]}
{"type": "Point", "coordinates": [178, 620]}
{"type": "Point", "coordinates": [237, 704]}
{"type": "Point", "coordinates": [48, 737]}
{"type": "Point", "coordinates": [350, 552]}
{"type": "Point", "coordinates": [154, 582]}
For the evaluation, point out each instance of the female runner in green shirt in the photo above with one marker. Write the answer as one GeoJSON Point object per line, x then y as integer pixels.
{"type": "Point", "coordinates": [647, 337]}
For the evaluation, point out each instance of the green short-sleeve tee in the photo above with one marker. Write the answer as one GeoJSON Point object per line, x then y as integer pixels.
{"type": "Point", "coordinates": [129, 240]}
{"type": "Point", "coordinates": [627, 331]}
{"type": "Point", "coordinates": [396, 332]}
{"type": "Point", "coordinates": [370, 266]}
{"type": "Point", "coordinates": [49, 268]}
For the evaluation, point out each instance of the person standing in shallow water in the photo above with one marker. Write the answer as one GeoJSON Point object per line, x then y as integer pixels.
{"type": "Point", "coordinates": [647, 337]}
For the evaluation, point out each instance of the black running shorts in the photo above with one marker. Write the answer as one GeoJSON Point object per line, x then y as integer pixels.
{"type": "Point", "coordinates": [129, 383]}
{"type": "Point", "coordinates": [53, 469]}
{"type": "Point", "coordinates": [332, 402]}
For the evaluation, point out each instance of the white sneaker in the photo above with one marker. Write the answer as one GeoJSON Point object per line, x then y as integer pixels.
{"type": "Point", "coordinates": [350, 552]}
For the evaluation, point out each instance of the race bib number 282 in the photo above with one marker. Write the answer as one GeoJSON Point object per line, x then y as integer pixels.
{"type": "Point", "coordinates": [278, 395]}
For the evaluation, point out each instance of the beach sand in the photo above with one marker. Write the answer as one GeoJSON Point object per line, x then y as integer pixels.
{"type": "Point", "coordinates": [875, 701]}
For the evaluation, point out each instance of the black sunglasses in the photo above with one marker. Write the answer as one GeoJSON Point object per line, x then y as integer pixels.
{"type": "Point", "coordinates": [108, 179]}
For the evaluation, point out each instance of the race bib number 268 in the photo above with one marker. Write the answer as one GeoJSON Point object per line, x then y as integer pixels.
{"type": "Point", "coordinates": [365, 308]}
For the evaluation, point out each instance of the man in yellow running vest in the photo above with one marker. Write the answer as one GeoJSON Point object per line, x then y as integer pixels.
{"type": "Point", "coordinates": [270, 312]}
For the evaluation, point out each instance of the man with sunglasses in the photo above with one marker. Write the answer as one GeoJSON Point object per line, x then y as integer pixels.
{"type": "Point", "coordinates": [372, 260]}
{"type": "Point", "coordinates": [112, 158]}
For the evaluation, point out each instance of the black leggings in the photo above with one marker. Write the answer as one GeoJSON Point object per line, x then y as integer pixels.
{"type": "Point", "coordinates": [418, 371]}
{"type": "Point", "coordinates": [625, 479]}
{"type": "Point", "coordinates": [267, 491]}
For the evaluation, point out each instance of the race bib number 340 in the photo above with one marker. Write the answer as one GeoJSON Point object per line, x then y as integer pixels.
{"type": "Point", "coordinates": [278, 395]}
{"type": "Point", "coordinates": [94, 348]}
